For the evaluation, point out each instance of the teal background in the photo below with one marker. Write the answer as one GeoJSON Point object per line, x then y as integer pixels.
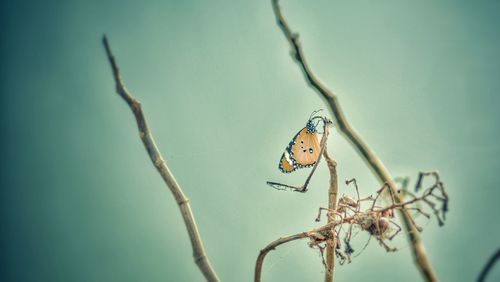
{"type": "Point", "coordinates": [81, 201]}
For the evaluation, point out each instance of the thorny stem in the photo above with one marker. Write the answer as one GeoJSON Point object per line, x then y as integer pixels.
{"type": "Point", "coordinates": [366, 152]}
{"type": "Point", "coordinates": [199, 254]}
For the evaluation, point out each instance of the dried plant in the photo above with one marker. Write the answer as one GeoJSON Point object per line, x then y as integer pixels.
{"type": "Point", "coordinates": [376, 220]}
{"type": "Point", "coordinates": [367, 215]}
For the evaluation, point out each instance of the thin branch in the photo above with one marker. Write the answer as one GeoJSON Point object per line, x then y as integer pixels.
{"type": "Point", "coordinates": [272, 246]}
{"type": "Point", "coordinates": [332, 205]}
{"type": "Point", "coordinates": [439, 212]}
{"type": "Point", "coordinates": [313, 234]}
{"type": "Point", "coordinates": [489, 265]}
{"type": "Point", "coordinates": [348, 131]}
{"type": "Point", "coordinates": [199, 253]}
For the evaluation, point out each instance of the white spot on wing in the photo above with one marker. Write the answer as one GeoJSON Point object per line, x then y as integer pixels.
{"type": "Point", "coordinates": [287, 157]}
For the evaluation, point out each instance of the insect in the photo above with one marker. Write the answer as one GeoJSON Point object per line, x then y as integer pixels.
{"type": "Point", "coordinates": [304, 149]}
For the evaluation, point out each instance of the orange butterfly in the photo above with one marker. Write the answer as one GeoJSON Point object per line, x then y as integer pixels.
{"type": "Point", "coordinates": [304, 149]}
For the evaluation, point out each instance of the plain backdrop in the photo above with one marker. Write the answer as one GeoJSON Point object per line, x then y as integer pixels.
{"type": "Point", "coordinates": [81, 201]}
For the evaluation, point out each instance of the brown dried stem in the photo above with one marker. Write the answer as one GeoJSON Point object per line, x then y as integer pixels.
{"type": "Point", "coordinates": [272, 246]}
{"type": "Point", "coordinates": [199, 253]}
{"type": "Point", "coordinates": [332, 206]}
{"type": "Point", "coordinates": [366, 152]}
{"type": "Point", "coordinates": [314, 234]}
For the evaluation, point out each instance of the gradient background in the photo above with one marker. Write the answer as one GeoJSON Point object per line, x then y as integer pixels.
{"type": "Point", "coordinates": [81, 201]}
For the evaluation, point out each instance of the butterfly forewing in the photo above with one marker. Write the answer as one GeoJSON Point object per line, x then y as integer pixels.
{"type": "Point", "coordinates": [304, 149]}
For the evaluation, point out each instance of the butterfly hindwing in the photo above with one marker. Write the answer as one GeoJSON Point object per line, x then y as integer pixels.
{"type": "Point", "coordinates": [304, 149]}
{"type": "Point", "coordinates": [286, 165]}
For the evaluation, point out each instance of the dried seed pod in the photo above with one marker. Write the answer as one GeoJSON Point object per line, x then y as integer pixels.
{"type": "Point", "coordinates": [378, 227]}
{"type": "Point", "coordinates": [383, 224]}
{"type": "Point", "coordinates": [388, 213]}
{"type": "Point", "coordinates": [348, 201]}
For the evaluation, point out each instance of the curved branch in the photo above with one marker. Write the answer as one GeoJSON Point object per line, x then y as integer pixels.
{"type": "Point", "coordinates": [282, 240]}
{"type": "Point", "coordinates": [489, 265]}
{"type": "Point", "coordinates": [199, 253]}
{"type": "Point", "coordinates": [350, 133]}
{"type": "Point", "coordinates": [272, 246]}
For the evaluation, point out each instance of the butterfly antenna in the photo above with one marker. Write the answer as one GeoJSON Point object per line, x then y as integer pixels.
{"type": "Point", "coordinates": [316, 125]}
{"type": "Point", "coordinates": [325, 121]}
{"type": "Point", "coordinates": [314, 113]}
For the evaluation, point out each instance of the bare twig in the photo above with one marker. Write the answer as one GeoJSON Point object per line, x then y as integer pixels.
{"type": "Point", "coordinates": [199, 253]}
{"type": "Point", "coordinates": [489, 265]}
{"type": "Point", "coordinates": [369, 155]}
{"type": "Point", "coordinates": [272, 246]}
{"type": "Point", "coordinates": [332, 205]}
{"type": "Point", "coordinates": [378, 221]}
{"type": "Point", "coordinates": [318, 234]}
{"type": "Point", "coordinates": [439, 212]}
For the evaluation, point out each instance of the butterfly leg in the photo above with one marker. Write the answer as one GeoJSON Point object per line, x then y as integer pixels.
{"type": "Point", "coordinates": [280, 186]}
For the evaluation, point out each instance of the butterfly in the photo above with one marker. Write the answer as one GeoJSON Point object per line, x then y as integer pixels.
{"type": "Point", "coordinates": [304, 149]}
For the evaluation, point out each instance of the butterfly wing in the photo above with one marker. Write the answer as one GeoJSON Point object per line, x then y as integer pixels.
{"type": "Point", "coordinates": [304, 149]}
{"type": "Point", "coordinates": [286, 165]}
